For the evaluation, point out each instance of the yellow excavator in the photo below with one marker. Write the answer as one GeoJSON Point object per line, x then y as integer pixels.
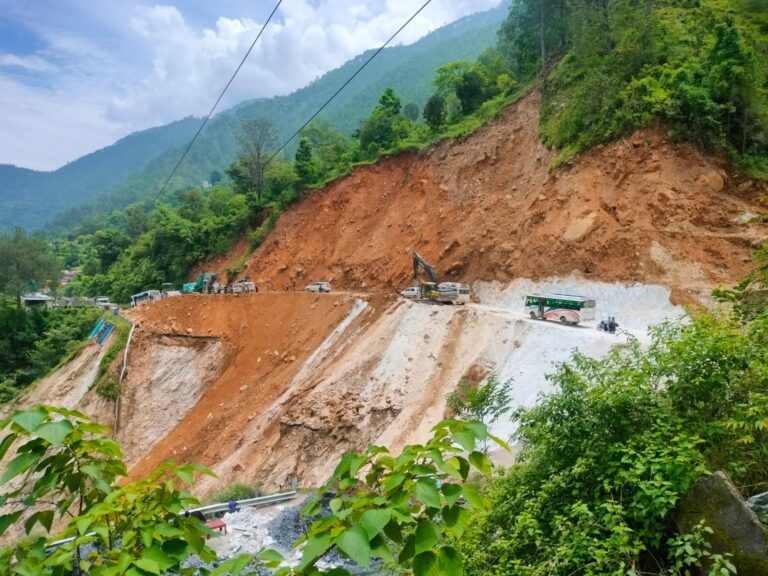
{"type": "Point", "coordinates": [427, 290]}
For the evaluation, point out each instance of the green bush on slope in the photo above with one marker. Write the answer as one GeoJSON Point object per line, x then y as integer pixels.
{"type": "Point", "coordinates": [609, 454]}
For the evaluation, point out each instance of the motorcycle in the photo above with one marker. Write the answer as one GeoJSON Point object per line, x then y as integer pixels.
{"type": "Point", "coordinates": [605, 326]}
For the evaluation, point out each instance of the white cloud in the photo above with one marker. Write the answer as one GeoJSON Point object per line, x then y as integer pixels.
{"type": "Point", "coordinates": [42, 130]}
{"type": "Point", "coordinates": [30, 63]}
{"type": "Point", "coordinates": [159, 66]}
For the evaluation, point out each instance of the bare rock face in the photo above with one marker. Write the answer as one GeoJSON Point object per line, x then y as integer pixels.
{"type": "Point", "coordinates": [737, 530]}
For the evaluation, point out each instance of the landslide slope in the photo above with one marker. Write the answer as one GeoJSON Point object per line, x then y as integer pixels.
{"type": "Point", "coordinates": [487, 207]}
{"type": "Point", "coordinates": [274, 387]}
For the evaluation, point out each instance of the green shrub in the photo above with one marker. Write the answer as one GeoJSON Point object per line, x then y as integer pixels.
{"type": "Point", "coordinates": [237, 491]}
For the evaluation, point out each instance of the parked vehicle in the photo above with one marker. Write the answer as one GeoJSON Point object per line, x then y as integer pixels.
{"type": "Point", "coordinates": [318, 287]}
{"type": "Point", "coordinates": [452, 293]}
{"type": "Point", "coordinates": [146, 296]}
{"type": "Point", "coordinates": [411, 292]}
{"type": "Point", "coordinates": [104, 303]}
{"type": "Point", "coordinates": [567, 308]}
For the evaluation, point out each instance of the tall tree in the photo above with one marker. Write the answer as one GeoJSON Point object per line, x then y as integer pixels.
{"type": "Point", "coordinates": [258, 140]}
{"type": "Point", "coordinates": [25, 260]}
{"type": "Point", "coordinates": [434, 112]}
{"type": "Point", "coordinates": [303, 162]}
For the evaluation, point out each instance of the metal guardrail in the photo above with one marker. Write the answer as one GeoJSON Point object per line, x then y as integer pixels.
{"type": "Point", "coordinates": [248, 503]}
{"type": "Point", "coordinates": [211, 509]}
{"type": "Point", "coordinates": [122, 377]}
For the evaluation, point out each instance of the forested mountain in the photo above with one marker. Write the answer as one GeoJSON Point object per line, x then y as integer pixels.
{"type": "Point", "coordinates": [28, 197]}
{"type": "Point", "coordinates": [135, 166]}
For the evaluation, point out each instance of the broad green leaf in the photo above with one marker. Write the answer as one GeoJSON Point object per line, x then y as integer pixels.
{"type": "Point", "coordinates": [355, 464]}
{"type": "Point", "coordinates": [44, 517]}
{"type": "Point", "coordinates": [479, 429]}
{"type": "Point", "coordinates": [421, 470]}
{"type": "Point", "coordinates": [450, 562]}
{"type": "Point", "coordinates": [176, 547]}
{"type": "Point", "coordinates": [393, 532]}
{"type": "Point", "coordinates": [8, 519]}
{"type": "Point", "coordinates": [335, 504]}
{"type": "Point", "coordinates": [83, 524]}
{"type": "Point", "coordinates": [30, 419]}
{"type": "Point", "coordinates": [233, 566]}
{"type": "Point", "coordinates": [26, 569]}
{"type": "Point", "coordinates": [20, 464]}
{"type": "Point", "coordinates": [55, 432]}
{"type": "Point", "coordinates": [466, 439]}
{"type": "Point", "coordinates": [148, 565]}
{"type": "Point", "coordinates": [167, 531]}
{"type": "Point", "coordinates": [426, 492]}
{"type": "Point", "coordinates": [270, 555]}
{"type": "Point", "coordinates": [393, 481]}
{"type": "Point", "coordinates": [427, 535]}
{"type": "Point", "coordinates": [481, 462]}
{"type": "Point", "coordinates": [159, 557]}
{"type": "Point", "coordinates": [408, 550]}
{"type": "Point", "coordinates": [373, 521]}
{"type": "Point", "coordinates": [354, 543]}
{"type": "Point", "coordinates": [186, 474]}
{"type": "Point", "coordinates": [472, 496]}
{"type": "Point", "coordinates": [500, 442]}
{"type": "Point", "coordinates": [451, 515]}
{"type": "Point", "coordinates": [315, 547]}
{"type": "Point", "coordinates": [451, 492]}
{"type": "Point", "coordinates": [6, 443]}
{"type": "Point", "coordinates": [425, 564]}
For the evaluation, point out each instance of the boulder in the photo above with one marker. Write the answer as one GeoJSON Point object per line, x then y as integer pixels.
{"type": "Point", "coordinates": [737, 530]}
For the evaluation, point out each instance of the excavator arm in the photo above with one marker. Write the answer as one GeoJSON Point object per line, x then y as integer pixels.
{"type": "Point", "coordinates": [419, 262]}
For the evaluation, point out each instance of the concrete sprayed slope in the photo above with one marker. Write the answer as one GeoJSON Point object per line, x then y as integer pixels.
{"type": "Point", "coordinates": [487, 208]}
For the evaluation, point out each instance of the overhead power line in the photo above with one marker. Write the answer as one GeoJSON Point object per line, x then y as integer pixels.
{"type": "Point", "coordinates": [208, 117]}
{"type": "Point", "coordinates": [344, 85]}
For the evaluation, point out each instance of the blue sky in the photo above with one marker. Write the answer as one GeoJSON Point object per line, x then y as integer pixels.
{"type": "Point", "coordinates": [76, 75]}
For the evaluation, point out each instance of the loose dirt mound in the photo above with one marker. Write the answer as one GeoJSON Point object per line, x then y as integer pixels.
{"type": "Point", "coordinates": [267, 338]}
{"type": "Point", "coordinates": [487, 208]}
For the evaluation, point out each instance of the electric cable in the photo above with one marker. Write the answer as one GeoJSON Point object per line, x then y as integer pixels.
{"type": "Point", "coordinates": [208, 117]}
{"type": "Point", "coordinates": [344, 85]}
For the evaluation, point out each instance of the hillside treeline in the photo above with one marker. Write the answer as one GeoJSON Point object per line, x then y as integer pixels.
{"type": "Point", "coordinates": [617, 65]}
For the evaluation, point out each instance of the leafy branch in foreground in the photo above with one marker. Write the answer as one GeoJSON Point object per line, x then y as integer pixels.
{"type": "Point", "coordinates": [64, 466]}
{"type": "Point", "coordinates": [407, 511]}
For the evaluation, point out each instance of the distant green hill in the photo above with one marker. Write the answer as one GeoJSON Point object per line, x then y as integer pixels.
{"type": "Point", "coordinates": [28, 197]}
{"type": "Point", "coordinates": [408, 69]}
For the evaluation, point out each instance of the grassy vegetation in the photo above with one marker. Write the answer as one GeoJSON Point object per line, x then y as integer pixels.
{"type": "Point", "coordinates": [106, 383]}
{"type": "Point", "coordinates": [37, 341]}
{"type": "Point", "coordinates": [236, 491]}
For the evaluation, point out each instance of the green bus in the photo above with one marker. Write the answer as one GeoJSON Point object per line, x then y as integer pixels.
{"type": "Point", "coordinates": [567, 308]}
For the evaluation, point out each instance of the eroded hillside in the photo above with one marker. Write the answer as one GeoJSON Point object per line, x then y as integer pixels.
{"type": "Point", "coordinates": [488, 208]}
{"type": "Point", "coordinates": [273, 387]}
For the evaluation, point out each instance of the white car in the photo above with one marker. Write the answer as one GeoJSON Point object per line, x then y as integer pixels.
{"type": "Point", "coordinates": [411, 292]}
{"type": "Point", "coordinates": [318, 287]}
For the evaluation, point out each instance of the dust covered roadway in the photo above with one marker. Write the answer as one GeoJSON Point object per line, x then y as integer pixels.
{"type": "Point", "coordinates": [487, 208]}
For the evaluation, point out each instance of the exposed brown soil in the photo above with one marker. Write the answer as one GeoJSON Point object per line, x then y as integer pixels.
{"type": "Point", "coordinates": [487, 208]}
{"type": "Point", "coordinates": [271, 336]}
